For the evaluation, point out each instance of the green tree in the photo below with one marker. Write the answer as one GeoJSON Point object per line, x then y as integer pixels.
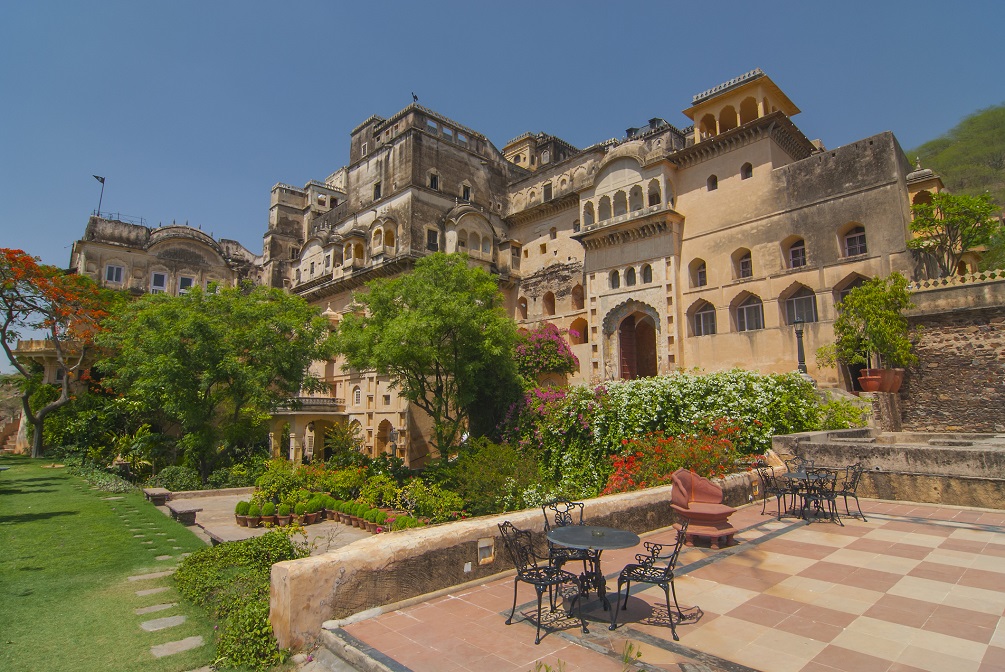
{"type": "Point", "coordinates": [66, 308]}
{"type": "Point", "coordinates": [440, 333]}
{"type": "Point", "coordinates": [214, 364]}
{"type": "Point", "coordinates": [871, 321]}
{"type": "Point", "coordinates": [950, 225]}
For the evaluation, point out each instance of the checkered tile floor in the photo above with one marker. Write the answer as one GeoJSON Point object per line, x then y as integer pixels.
{"type": "Point", "coordinates": [913, 588]}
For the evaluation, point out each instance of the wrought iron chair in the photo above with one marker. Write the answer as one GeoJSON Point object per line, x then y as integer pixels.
{"type": "Point", "coordinates": [798, 464]}
{"type": "Point", "coordinates": [646, 570]}
{"type": "Point", "coordinates": [773, 487]}
{"type": "Point", "coordinates": [849, 487]}
{"type": "Point", "coordinates": [820, 494]}
{"type": "Point", "coordinates": [560, 513]}
{"type": "Point", "coordinates": [543, 577]}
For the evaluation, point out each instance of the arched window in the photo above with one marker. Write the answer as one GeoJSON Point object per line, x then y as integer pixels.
{"type": "Point", "coordinates": [750, 314]}
{"type": "Point", "coordinates": [703, 320]}
{"type": "Point", "coordinates": [545, 156]}
{"type": "Point", "coordinates": [620, 203]}
{"type": "Point", "coordinates": [712, 183]}
{"type": "Point", "coordinates": [588, 213]}
{"type": "Point", "coordinates": [521, 307]}
{"type": "Point", "coordinates": [654, 193]}
{"type": "Point", "coordinates": [630, 277]}
{"type": "Point", "coordinates": [347, 254]}
{"type": "Point", "coordinates": [389, 239]}
{"type": "Point", "coordinates": [647, 274]}
{"type": "Point", "coordinates": [548, 303]}
{"type": "Point", "coordinates": [635, 198]}
{"type": "Point", "coordinates": [486, 245]}
{"type": "Point", "coordinates": [746, 171]}
{"type": "Point", "coordinates": [577, 297]}
{"type": "Point", "coordinates": [357, 251]}
{"type": "Point", "coordinates": [579, 332]}
{"type": "Point", "coordinates": [743, 265]}
{"type": "Point", "coordinates": [801, 305]}
{"type": "Point", "coordinates": [708, 127]}
{"type": "Point", "coordinates": [462, 240]}
{"type": "Point", "coordinates": [748, 110]}
{"type": "Point", "coordinates": [797, 254]}
{"type": "Point", "coordinates": [357, 396]}
{"type": "Point", "coordinates": [843, 288]}
{"type": "Point", "coordinates": [727, 119]}
{"type": "Point", "coordinates": [615, 279]}
{"type": "Point", "coordinates": [699, 276]}
{"type": "Point", "coordinates": [604, 211]}
{"type": "Point", "coordinates": [475, 242]}
{"type": "Point", "coordinates": [854, 241]}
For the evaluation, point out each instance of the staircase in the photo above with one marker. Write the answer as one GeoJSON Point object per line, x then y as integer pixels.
{"type": "Point", "coordinates": [8, 436]}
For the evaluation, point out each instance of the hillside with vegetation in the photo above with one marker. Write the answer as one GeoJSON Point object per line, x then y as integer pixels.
{"type": "Point", "coordinates": [970, 158]}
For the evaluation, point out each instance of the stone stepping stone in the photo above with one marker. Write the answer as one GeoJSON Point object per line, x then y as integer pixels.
{"type": "Point", "coordinates": [176, 548]}
{"type": "Point", "coordinates": [139, 535]}
{"type": "Point", "coordinates": [152, 591]}
{"type": "Point", "coordinates": [163, 557]}
{"type": "Point", "coordinates": [170, 648]}
{"type": "Point", "coordinates": [161, 534]}
{"type": "Point", "coordinates": [170, 540]}
{"type": "Point", "coordinates": [185, 555]}
{"type": "Point", "coordinates": [156, 607]}
{"type": "Point", "coordinates": [135, 529]}
{"type": "Point", "coordinates": [162, 623]}
{"type": "Point", "coordinates": [146, 542]}
{"type": "Point", "coordinates": [111, 499]}
{"type": "Point", "coordinates": [152, 575]}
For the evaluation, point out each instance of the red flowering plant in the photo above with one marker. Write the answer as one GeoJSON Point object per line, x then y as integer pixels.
{"type": "Point", "coordinates": [650, 460]}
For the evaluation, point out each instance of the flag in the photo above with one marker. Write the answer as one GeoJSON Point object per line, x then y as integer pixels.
{"type": "Point", "coordinates": [99, 178]}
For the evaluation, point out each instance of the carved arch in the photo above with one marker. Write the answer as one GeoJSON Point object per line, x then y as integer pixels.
{"type": "Point", "coordinates": [613, 319]}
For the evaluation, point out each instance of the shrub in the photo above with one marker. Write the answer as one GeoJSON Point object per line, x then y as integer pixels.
{"type": "Point", "coordinates": [176, 479]}
{"type": "Point", "coordinates": [268, 509]}
{"type": "Point", "coordinates": [380, 490]}
{"type": "Point", "coordinates": [300, 508]}
{"type": "Point", "coordinates": [843, 414]}
{"type": "Point", "coordinates": [489, 477]}
{"type": "Point", "coordinates": [278, 480]}
{"type": "Point", "coordinates": [242, 508]}
{"type": "Point", "coordinates": [544, 350]}
{"type": "Point", "coordinates": [254, 511]}
{"type": "Point", "coordinates": [380, 517]}
{"type": "Point", "coordinates": [651, 460]}
{"type": "Point", "coordinates": [102, 480]}
{"type": "Point", "coordinates": [315, 504]}
{"type": "Point", "coordinates": [232, 581]}
{"type": "Point", "coordinates": [431, 501]}
{"type": "Point", "coordinates": [284, 509]}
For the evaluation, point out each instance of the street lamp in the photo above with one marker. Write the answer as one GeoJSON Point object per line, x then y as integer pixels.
{"type": "Point", "coordinates": [800, 353]}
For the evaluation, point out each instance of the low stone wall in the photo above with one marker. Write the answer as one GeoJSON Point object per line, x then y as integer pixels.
{"type": "Point", "coordinates": [912, 466]}
{"type": "Point", "coordinates": [189, 494]}
{"type": "Point", "coordinates": [388, 568]}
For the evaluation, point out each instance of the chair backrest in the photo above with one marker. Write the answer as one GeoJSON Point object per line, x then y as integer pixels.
{"type": "Point", "coordinates": [852, 477]}
{"type": "Point", "coordinates": [798, 464]}
{"type": "Point", "coordinates": [824, 481]}
{"type": "Point", "coordinates": [689, 487]}
{"type": "Point", "coordinates": [768, 480]}
{"type": "Point", "coordinates": [562, 512]}
{"type": "Point", "coordinates": [655, 550]}
{"type": "Point", "coordinates": [520, 545]}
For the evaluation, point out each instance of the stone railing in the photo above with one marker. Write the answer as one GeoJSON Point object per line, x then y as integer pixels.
{"type": "Point", "coordinates": [958, 280]}
{"type": "Point", "coordinates": [641, 212]}
{"type": "Point", "coordinates": [313, 404]}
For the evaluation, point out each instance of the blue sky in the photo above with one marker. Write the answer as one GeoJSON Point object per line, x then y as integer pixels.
{"type": "Point", "coordinates": [193, 110]}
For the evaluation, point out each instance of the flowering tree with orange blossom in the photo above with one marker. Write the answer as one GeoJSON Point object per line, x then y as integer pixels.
{"type": "Point", "coordinates": [67, 308]}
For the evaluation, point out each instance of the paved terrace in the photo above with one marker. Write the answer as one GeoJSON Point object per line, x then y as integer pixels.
{"type": "Point", "coordinates": [915, 587]}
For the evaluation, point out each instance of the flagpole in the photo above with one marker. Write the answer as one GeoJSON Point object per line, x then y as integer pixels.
{"type": "Point", "coordinates": [102, 181]}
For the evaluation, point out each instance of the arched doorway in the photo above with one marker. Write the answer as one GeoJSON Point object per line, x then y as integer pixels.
{"type": "Point", "coordinates": [383, 437]}
{"type": "Point", "coordinates": [637, 346]}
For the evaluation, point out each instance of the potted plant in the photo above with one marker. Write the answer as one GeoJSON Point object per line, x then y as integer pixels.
{"type": "Point", "coordinates": [380, 519]}
{"type": "Point", "coordinates": [359, 510]}
{"type": "Point", "coordinates": [872, 331]}
{"type": "Point", "coordinates": [300, 508]}
{"type": "Point", "coordinates": [331, 508]}
{"type": "Point", "coordinates": [369, 518]}
{"type": "Point", "coordinates": [254, 515]}
{"type": "Point", "coordinates": [343, 513]}
{"type": "Point", "coordinates": [268, 513]}
{"type": "Point", "coordinates": [241, 513]}
{"type": "Point", "coordinates": [283, 517]}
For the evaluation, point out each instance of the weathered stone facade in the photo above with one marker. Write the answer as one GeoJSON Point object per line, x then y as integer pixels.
{"type": "Point", "coordinates": [668, 248]}
{"type": "Point", "coordinates": [959, 383]}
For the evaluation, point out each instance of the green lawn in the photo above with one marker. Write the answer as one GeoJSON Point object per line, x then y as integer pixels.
{"type": "Point", "coordinates": [65, 554]}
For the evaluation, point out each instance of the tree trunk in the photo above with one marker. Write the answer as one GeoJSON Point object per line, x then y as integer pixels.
{"type": "Point", "coordinates": [36, 439]}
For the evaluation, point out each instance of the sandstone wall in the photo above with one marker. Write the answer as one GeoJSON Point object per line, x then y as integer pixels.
{"type": "Point", "coordinates": [959, 384]}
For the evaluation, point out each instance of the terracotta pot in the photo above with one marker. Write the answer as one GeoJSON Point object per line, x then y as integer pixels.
{"type": "Point", "coordinates": [891, 381]}
{"type": "Point", "coordinates": [310, 518]}
{"type": "Point", "coordinates": [268, 520]}
{"type": "Point", "coordinates": [870, 380]}
{"type": "Point", "coordinates": [241, 520]}
{"type": "Point", "coordinates": [253, 521]}
{"type": "Point", "coordinates": [371, 527]}
{"type": "Point", "coordinates": [332, 515]}
{"type": "Point", "coordinates": [283, 521]}
{"type": "Point", "coordinates": [344, 519]}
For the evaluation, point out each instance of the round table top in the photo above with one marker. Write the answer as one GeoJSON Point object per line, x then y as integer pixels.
{"type": "Point", "coordinates": [804, 476]}
{"type": "Point", "coordinates": [593, 536]}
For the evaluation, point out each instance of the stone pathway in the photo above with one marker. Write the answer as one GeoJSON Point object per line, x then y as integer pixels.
{"type": "Point", "coordinates": [142, 532]}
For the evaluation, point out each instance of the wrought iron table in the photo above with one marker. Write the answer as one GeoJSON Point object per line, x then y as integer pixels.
{"type": "Point", "coordinates": [600, 539]}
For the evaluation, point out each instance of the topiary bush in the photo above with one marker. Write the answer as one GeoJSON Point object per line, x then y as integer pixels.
{"type": "Point", "coordinates": [284, 509]}
{"type": "Point", "coordinates": [268, 509]}
{"type": "Point", "coordinates": [300, 508]}
{"type": "Point", "coordinates": [242, 508]}
{"type": "Point", "coordinates": [254, 511]}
